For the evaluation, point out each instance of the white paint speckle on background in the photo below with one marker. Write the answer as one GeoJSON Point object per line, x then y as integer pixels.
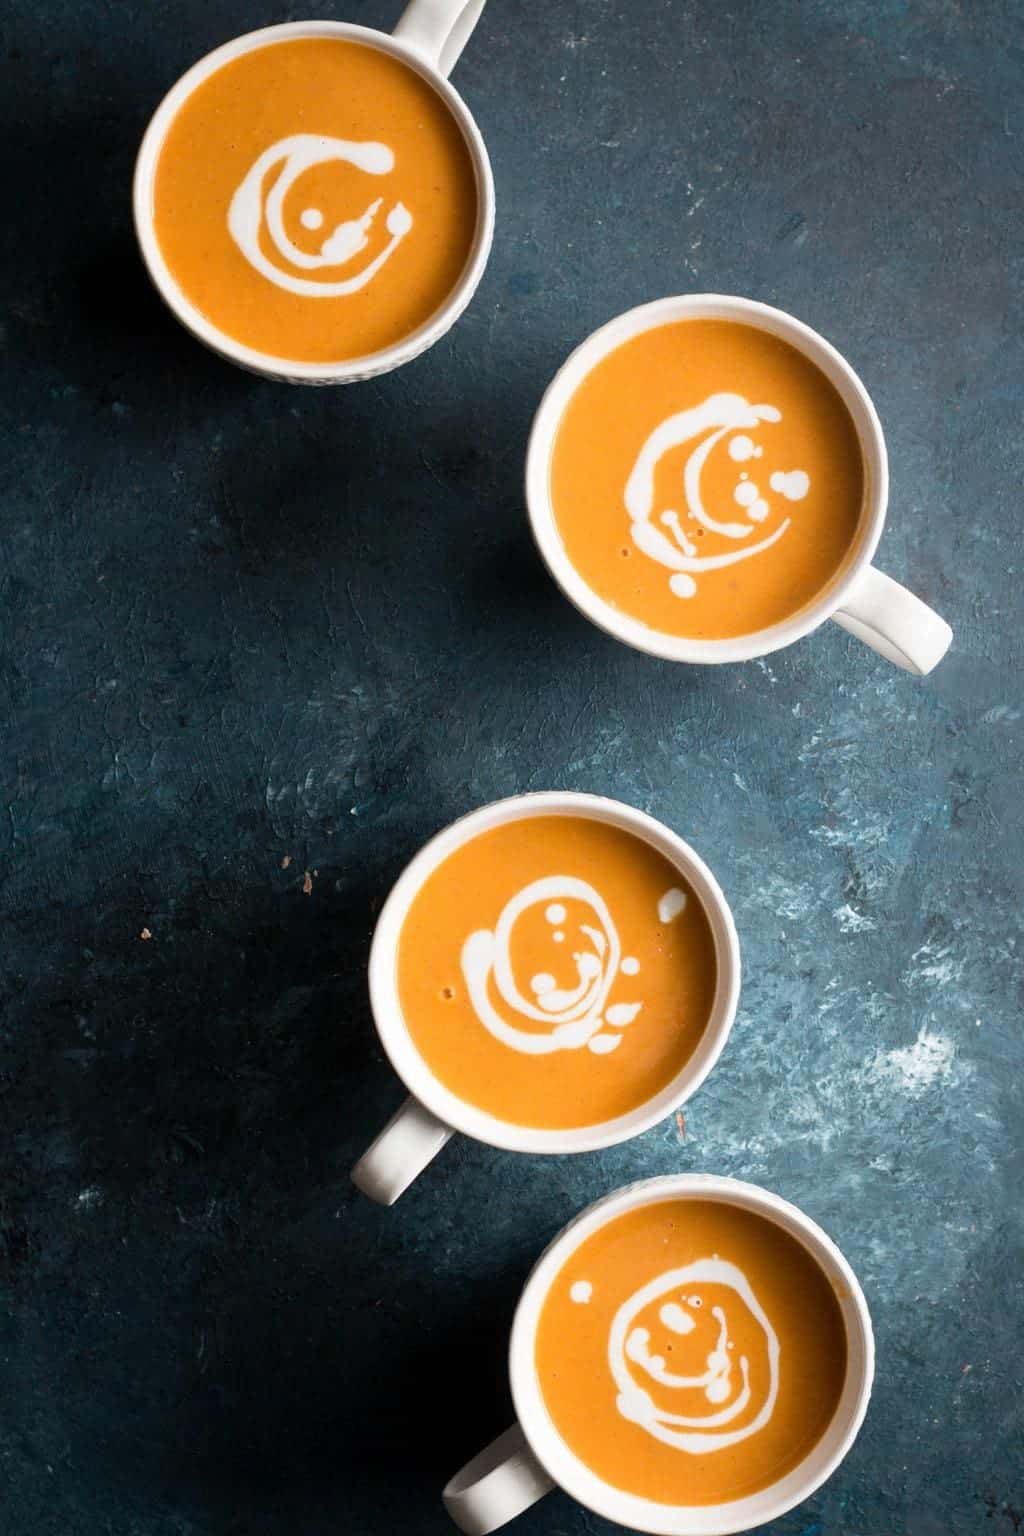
{"type": "Point", "coordinates": [850, 921]}
{"type": "Point", "coordinates": [785, 898]}
{"type": "Point", "coordinates": [913, 1068]}
{"type": "Point", "coordinates": [860, 830]}
{"type": "Point", "coordinates": [935, 965]}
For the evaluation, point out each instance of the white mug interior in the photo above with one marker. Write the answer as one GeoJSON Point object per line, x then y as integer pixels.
{"type": "Point", "coordinates": [706, 306]}
{"type": "Point", "coordinates": [468, 1118]}
{"type": "Point", "coordinates": [569, 1472]}
{"type": "Point", "coordinates": [287, 369]}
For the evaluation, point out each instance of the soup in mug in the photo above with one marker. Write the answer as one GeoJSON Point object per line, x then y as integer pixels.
{"type": "Point", "coordinates": [315, 200]}
{"type": "Point", "coordinates": [556, 971]}
{"type": "Point", "coordinates": [707, 479]}
{"type": "Point", "coordinates": [691, 1352]}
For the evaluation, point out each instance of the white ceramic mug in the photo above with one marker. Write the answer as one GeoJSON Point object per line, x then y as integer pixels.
{"type": "Point", "coordinates": [429, 38]}
{"type": "Point", "coordinates": [860, 598]}
{"type": "Point", "coordinates": [531, 1458]}
{"type": "Point", "coordinates": [433, 1113]}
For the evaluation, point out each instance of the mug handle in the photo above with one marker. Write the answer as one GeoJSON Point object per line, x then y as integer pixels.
{"type": "Point", "coordinates": [496, 1485]}
{"type": "Point", "coordinates": [439, 29]}
{"type": "Point", "coordinates": [894, 622]}
{"type": "Point", "coordinates": [409, 1141]}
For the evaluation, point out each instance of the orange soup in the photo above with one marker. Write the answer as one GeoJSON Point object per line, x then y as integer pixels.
{"type": "Point", "coordinates": [707, 479]}
{"type": "Point", "coordinates": [315, 200]}
{"type": "Point", "coordinates": [556, 971]}
{"type": "Point", "coordinates": [691, 1352]}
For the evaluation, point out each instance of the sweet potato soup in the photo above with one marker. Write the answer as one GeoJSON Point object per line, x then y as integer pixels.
{"type": "Point", "coordinates": [556, 971]}
{"type": "Point", "coordinates": [691, 1352]}
{"type": "Point", "coordinates": [707, 479]}
{"type": "Point", "coordinates": [315, 200]}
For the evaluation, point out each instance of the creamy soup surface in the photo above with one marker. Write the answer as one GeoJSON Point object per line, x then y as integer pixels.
{"type": "Point", "coordinates": [556, 971]}
{"type": "Point", "coordinates": [315, 200]}
{"type": "Point", "coordinates": [707, 479]}
{"type": "Point", "coordinates": [691, 1352]}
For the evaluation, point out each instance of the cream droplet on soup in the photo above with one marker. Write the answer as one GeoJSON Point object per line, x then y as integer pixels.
{"type": "Point", "coordinates": [671, 904]}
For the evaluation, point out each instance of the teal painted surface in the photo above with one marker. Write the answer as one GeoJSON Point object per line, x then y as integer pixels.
{"type": "Point", "coordinates": [250, 632]}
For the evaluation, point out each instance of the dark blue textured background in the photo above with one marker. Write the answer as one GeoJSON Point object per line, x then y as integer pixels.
{"type": "Point", "coordinates": [250, 632]}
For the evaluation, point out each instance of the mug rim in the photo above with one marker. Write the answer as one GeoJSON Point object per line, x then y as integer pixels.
{"type": "Point", "coordinates": [573, 1475]}
{"type": "Point", "coordinates": [548, 417]}
{"type": "Point", "coordinates": [478, 1123]}
{"type": "Point", "coordinates": [289, 370]}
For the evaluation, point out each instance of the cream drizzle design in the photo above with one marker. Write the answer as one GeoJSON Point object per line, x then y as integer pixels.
{"type": "Point", "coordinates": [630, 1357]}
{"type": "Point", "coordinates": [248, 212]}
{"type": "Point", "coordinates": [717, 417]}
{"type": "Point", "coordinates": [574, 1016]}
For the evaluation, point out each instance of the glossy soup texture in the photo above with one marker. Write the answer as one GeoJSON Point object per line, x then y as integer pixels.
{"type": "Point", "coordinates": [556, 971]}
{"type": "Point", "coordinates": [691, 1352]}
{"type": "Point", "coordinates": [315, 200]}
{"type": "Point", "coordinates": [707, 479]}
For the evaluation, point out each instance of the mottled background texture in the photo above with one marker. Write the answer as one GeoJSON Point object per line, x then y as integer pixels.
{"type": "Point", "coordinates": [259, 642]}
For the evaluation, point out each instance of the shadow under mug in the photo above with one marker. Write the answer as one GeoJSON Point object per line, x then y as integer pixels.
{"type": "Point", "coordinates": [427, 1120]}
{"type": "Point", "coordinates": [429, 37]}
{"type": "Point", "coordinates": [860, 598]}
{"type": "Point", "coordinates": [531, 1458]}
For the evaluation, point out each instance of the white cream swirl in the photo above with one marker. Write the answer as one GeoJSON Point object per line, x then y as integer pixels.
{"type": "Point", "coordinates": [572, 1015]}
{"type": "Point", "coordinates": [638, 1370]}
